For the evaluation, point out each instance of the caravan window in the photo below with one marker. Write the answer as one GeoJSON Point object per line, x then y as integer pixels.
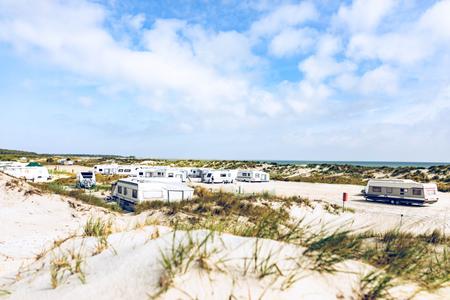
{"type": "Point", "coordinates": [134, 194]}
{"type": "Point", "coordinates": [223, 174]}
{"type": "Point", "coordinates": [170, 175]}
{"type": "Point", "coordinates": [389, 190]}
{"type": "Point", "coordinates": [376, 189]}
{"type": "Point", "coordinates": [417, 192]}
{"type": "Point", "coordinates": [119, 189]}
{"type": "Point", "coordinates": [257, 175]}
{"type": "Point", "coordinates": [100, 170]}
{"type": "Point", "coordinates": [141, 173]}
{"type": "Point", "coordinates": [120, 170]}
{"type": "Point", "coordinates": [127, 170]}
{"type": "Point", "coordinates": [125, 191]}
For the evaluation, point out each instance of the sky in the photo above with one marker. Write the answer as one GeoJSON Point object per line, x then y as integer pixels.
{"type": "Point", "coordinates": [230, 79]}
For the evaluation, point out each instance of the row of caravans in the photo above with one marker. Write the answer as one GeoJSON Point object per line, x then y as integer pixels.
{"type": "Point", "coordinates": [182, 174]}
{"type": "Point", "coordinates": [401, 191]}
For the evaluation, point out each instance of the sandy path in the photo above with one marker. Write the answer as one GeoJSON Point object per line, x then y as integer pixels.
{"type": "Point", "coordinates": [378, 216]}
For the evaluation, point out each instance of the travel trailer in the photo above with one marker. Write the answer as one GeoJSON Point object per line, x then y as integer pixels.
{"type": "Point", "coordinates": [219, 176]}
{"type": "Point", "coordinates": [110, 169]}
{"type": "Point", "coordinates": [6, 164]}
{"type": "Point", "coordinates": [130, 191]}
{"type": "Point", "coordinates": [252, 176]}
{"type": "Point", "coordinates": [86, 180]}
{"type": "Point", "coordinates": [400, 191]}
{"type": "Point", "coordinates": [33, 172]}
{"type": "Point", "coordinates": [127, 170]}
{"type": "Point", "coordinates": [170, 174]}
{"type": "Point", "coordinates": [195, 172]}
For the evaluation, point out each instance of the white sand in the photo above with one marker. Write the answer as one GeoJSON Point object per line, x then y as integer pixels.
{"type": "Point", "coordinates": [29, 223]}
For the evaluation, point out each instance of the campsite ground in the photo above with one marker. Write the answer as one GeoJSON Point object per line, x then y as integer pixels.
{"type": "Point", "coordinates": [377, 216]}
{"type": "Point", "coordinates": [48, 250]}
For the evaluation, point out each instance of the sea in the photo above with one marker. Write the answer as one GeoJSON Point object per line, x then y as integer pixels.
{"type": "Point", "coordinates": [392, 164]}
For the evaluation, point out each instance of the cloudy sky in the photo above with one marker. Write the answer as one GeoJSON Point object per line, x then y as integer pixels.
{"type": "Point", "coordinates": [230, 79]}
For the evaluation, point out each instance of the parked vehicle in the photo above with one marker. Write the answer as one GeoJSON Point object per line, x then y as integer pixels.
{"type": "Point", "coordinates": [86, 180]}
{"type": "Point", "coordinates": [129, 192]}
{"type": "Point", "coordinates": [171, 174]}
{"type": "Point", "coordinates": [32, 172]}
{"type": "Point", "coordinates": [219, 176]}
{"type": "Point", "coordinates": [110, 169]}
{"type": "Point", "coordinates": [401, 191]}
{"type": "Point", "coordinates": [252, 176]}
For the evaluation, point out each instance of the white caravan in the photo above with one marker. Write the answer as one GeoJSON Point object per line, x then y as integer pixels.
{"type": "Point", "coordinates": [33, 172]}
{"type": "Point", "coordinates": [401, 191]}
{"type": "Point", "coordinates": [219, 176]}
{"type": "Point", "coordinates": [128, 170]}
{"type": "Point", "coordinates": [110, 169]}
{"type": "Point", "coordinates": [131, 191]}
{"type": "Point", "coordinates": [252, 176]}
{"type": "Point", "coordinates": [168, 174]}
{"type": "Point", "coordinates": [86, 180]}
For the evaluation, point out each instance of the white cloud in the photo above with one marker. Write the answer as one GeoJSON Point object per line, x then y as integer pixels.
{"type": "Point", "coordinates": [305, 96]}
{"type": "Point", "coordinates": [284, 16]}
{"type": "Point", "coordinates": [364, 15]}
{"type": "Point", "coordinates": [411, 44]}
{"type": "Point", "coordinates": [380, 80]}
{"type": "Point", "coordinates": [292, 41]}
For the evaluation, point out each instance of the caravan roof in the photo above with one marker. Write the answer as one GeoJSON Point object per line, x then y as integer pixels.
{"type": "Point", "coordinates": [400, 183]}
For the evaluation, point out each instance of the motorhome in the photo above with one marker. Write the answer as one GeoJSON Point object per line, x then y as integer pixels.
{"type": "Point", "coordinates": [86, 180]}
{"type": "Point", "coordinates": [170, 174]}
{"type": "Point", "coordinates": [219, 176]}
{"type": "Point", "coordinates": [252, 176]}
{"type": "Point", "coordinates": [128, 192]}
{"type": "Point", "coordinates": [33, 172]}
{"type": "Point", "coordinates": [110, 169]}
{"type": "Point", "coordinates": [400, 191]}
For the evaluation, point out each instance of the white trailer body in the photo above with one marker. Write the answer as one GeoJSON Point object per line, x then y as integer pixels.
{"type": "Point", "coordinates": [30, 173]}
{"type": "Point", "coordinates": [86, 180]}
{"type": "Point", "coordinates": [401, 191]}
{"type": "Point", "coordinates": [252, 176]}
{"type": "Point", "coordinates": [219, 176]}
{"type": "Point", "coordinates": [110, 169]}
{"type": "Point", "coordinates": [131, 191]}
{"type": "Point", "coordinates": [169, 174]}
{"type": "Point", "coordinates": [128, 170]}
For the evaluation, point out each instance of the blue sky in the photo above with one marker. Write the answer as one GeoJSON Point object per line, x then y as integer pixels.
{"type": "Point", "coordinates": [305, 80]}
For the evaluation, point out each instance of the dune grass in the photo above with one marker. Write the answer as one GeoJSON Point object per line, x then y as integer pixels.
{"type": "Point", "coordinates": [78, 194]}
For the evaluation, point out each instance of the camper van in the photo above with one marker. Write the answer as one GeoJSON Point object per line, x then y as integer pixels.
{"type": "Point", "coordinates": [219, 176]}
{"type": "Point", "coordinates": [33, 172]}
{"type": "Point", "coordinates": [170, 174]}
{"type": "Point", "coordinates": [400, 191]}
{"type": "Point", "coordinates": [252, 176]}
{"type": "Point", "coordinates": [130, 191]}
{"type": "Point", "coordinates": [86, 180]}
